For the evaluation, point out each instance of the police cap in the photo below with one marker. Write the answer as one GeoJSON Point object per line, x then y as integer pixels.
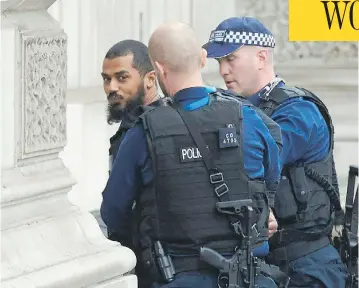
{"type": "Point", "coordinates": [232, 33]}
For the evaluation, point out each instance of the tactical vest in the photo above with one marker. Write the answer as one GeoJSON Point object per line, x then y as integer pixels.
{"type": "Point", "coordinates": [273, 127]}
{"type": "Point", "coordinates": [179, 207]}
{"type": "Point", "coordinates": [305, 198]}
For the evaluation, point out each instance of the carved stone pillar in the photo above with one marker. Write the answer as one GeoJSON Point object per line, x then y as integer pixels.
{"type": "Point", "coordinates": [46, 241]}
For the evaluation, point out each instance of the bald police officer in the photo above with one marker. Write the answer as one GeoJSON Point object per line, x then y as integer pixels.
{"type": "Point", "coordinates": [186, 165]}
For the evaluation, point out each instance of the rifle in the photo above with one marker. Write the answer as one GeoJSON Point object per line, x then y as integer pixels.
{"type": "Point", "coordinates": [347, 241]}
{"type": "Point", "coordinates": [240, 270]}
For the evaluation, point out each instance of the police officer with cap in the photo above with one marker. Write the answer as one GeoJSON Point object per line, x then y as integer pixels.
{"type": "Point", "coordinates": [197, 170]}
{"type": "Point", "coordinates": [305, 198]}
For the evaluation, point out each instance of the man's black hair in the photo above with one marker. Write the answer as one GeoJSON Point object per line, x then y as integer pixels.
{"type": "Point", "coordinates": [141, 60]}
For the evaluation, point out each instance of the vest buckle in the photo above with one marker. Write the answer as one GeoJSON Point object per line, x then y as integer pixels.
{"type": "Point", "coordinates": [255, 230]}
{"type": "Point", "coordinates": [216, 178]}
{"type": "Point", "coordinates": [264, 97]}
{"type": "Point", "coordinates": [301, 215]}
{"type": "Point", "coordinates": [221, 190]}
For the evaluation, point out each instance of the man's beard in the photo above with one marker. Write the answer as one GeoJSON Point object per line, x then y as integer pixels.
{"type": "Point", "coordinates": [116, 113]}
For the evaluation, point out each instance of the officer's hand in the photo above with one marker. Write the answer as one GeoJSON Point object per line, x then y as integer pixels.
{"type": "Point", "coordinates": [272, 224]}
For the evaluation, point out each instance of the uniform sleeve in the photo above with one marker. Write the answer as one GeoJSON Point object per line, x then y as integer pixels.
{"type": "Point", "coordinates": [305, 134]}
{"type": "Point", "coordinates": [124, 182]}
{"type": "Point", "coordinates": [260, 151]}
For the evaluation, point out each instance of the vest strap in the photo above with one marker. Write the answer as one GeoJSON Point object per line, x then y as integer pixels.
{"type": "Point", "coordinates": [288, 236]}
{"type": "Point", "coordinates": [282, 256]}
{"type": "Point", "coordinates": [215, 176]}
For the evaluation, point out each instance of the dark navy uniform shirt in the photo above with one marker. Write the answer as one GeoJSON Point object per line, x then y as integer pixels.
{"type": "Point", "coordinates": [133, 167]}
{"type": "Point", "coordinates": [305, 134]}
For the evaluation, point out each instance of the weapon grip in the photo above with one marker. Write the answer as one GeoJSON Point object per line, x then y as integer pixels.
{"type": "Point", "coordinates": [213, 258]}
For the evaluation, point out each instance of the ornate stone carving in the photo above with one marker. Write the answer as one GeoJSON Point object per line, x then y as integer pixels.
{"type": "Point", "coordinates": [44, 111]}
{"type": "Point", "coordinates": [274, 14]}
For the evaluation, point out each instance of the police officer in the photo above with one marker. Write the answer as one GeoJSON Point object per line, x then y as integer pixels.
{"type": "Point", "coordinates": [129, 81]}
{"type": "Point", "coordinates": [305, 198]}
{"type": "Point", "coordinates": [183, 163]}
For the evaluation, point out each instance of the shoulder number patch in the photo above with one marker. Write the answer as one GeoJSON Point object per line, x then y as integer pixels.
{"type": "Point", "coordinates": [228, 137]}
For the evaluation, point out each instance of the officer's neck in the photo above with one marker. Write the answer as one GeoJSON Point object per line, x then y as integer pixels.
{"type": "Point", "coordinates": [181, 82]}
{"type": "Point", "coordinates": [151, 96]}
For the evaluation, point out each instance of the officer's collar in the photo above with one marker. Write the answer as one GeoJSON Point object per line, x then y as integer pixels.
{"type": "Point", "coordinates": [190, 94]}
{"type": "Point", "coordinates": [256, 98]}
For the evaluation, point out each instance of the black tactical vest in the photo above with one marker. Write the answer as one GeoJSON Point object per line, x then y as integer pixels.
{"type": "Point", "coordinates": [273, 127]}
{"type": "Point", "coordinates": [305, 198]}
{"type": "Point", "coordinates": [178, 208]}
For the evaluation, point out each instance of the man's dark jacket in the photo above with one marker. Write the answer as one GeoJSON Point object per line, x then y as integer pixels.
{"type": "Point", "coordinates": [126, 124]}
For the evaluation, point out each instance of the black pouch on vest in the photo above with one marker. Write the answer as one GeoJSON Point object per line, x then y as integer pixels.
{"type": "Point", "coordinates": [292, 194]}
{"type": "Point", "coordinates": [300, 189]}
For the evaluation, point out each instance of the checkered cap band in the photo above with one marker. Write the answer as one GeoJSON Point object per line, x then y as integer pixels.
{"type": "Point", "coordinates": [246, 38]}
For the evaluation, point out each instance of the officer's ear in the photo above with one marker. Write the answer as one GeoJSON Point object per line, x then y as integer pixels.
{"type": "Point", "coordinates": [262, 56]}
{"type": "Point", "coordinates": [160, 69]}
{"type": "Point", "coordinates": [204, 58]}
{"type": "Point", "coordinates": [150, 79]}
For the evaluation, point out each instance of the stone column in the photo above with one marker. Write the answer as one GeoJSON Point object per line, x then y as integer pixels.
{"type": "Point", "coordinates": [46, 241]}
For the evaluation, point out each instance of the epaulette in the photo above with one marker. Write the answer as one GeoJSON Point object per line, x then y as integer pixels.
{"type": "Point", "coordinates": [231, 96]}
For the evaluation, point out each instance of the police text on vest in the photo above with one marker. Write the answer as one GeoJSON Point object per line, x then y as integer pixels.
{"type": "Point", "coordinates": [189, 154]}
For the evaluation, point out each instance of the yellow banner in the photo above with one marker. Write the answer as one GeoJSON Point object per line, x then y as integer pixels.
{"type": "Point", "coordinates": [315, 20]}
